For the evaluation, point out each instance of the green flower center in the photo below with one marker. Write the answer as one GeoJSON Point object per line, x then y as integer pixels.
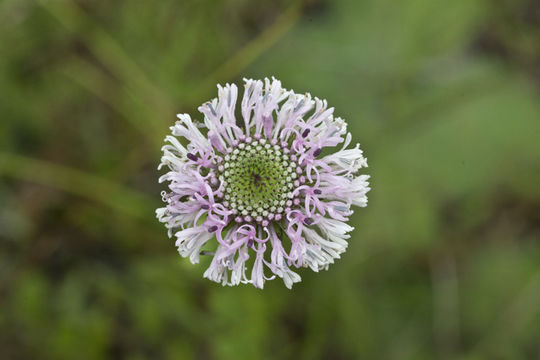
{"type": "Point", "coordinates": [258, 179]}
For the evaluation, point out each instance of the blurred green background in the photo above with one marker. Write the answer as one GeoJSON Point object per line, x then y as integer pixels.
{"type": "Point", "coordinates": [442, 95]}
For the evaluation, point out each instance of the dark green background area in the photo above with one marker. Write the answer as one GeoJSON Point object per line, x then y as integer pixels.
{"type": "Point", "coordinates": [443, 96]}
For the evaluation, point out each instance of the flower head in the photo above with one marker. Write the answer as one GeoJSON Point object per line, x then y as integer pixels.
{"type": "Point", "coordinates": [258, 189]}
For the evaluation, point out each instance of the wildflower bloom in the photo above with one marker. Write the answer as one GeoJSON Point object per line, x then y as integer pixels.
{"type": "Point", "coordinates": [256, 189]}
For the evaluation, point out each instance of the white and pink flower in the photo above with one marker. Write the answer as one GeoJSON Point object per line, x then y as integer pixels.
{"type": "Point", "coordinates": [258, 189]}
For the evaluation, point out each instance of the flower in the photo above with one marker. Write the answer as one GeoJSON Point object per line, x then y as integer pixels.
{"type": "Point", "coordinates": [257, 189]}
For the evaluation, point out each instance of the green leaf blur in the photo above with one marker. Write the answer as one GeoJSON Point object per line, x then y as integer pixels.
{"type": "Point", "coordinates": [443, 96]}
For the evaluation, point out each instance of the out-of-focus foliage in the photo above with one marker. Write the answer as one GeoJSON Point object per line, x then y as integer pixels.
{"type": "Point", "coordinates": [443, 95]}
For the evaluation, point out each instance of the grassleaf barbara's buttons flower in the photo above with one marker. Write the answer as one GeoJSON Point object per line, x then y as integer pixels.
{"type": "Point", "coordinates": [264, 188]}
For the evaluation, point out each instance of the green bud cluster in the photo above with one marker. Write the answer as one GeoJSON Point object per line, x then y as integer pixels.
{"type": "Point", "coordinates": [258, 179]}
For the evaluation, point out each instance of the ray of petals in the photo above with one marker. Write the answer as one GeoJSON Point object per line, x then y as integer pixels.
{"type": "Point", "coordinates": [256, 190]}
